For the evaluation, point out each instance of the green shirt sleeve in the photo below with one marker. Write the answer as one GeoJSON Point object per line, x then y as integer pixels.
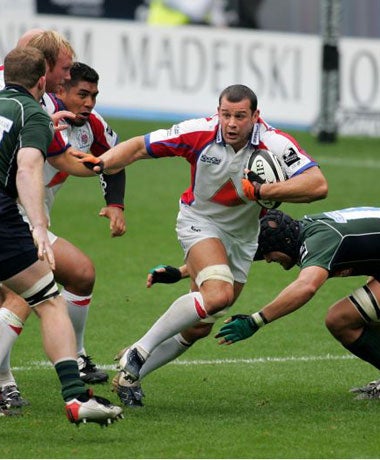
{"type": "Point", "coordinates": [319, 246]}
{"type": "Point", "coordinates": [37, 132]}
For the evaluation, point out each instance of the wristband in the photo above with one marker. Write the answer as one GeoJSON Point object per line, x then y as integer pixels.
{"type": "Point", "coordinates": [259, 319]}
{"type": "Point", "coordinates": [115, 205]}
{"type": "Point", "coordinates": [91, 165]}
{"type": "Point", "coordinates": [113, 187]}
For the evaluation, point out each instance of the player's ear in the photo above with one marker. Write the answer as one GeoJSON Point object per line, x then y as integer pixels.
{"type": "Point", "coordinates": [41, 84]}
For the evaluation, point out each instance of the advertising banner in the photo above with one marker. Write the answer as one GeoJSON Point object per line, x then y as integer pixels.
{"type": "Point", "coordinates": [178, 72]}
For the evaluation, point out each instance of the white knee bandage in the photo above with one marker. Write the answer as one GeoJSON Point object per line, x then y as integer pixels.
{"type": "Point", "coordinates": [215, 272]}
{"type": "Point", "coordinates": [43, 289]}
{"type": "Point", "coordinates": [366, 304]}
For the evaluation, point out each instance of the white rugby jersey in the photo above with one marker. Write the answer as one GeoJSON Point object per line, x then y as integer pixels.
{"type": "Point", "coordinates": [215, 191]}
{"type": "Point", "coordinates": [94, 136]}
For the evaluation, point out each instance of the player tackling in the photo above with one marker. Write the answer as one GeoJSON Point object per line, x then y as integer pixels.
{"type": "Point", "coordinates": [338, 243]}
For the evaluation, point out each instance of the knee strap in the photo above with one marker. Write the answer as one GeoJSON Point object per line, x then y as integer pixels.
{"type": "Point", "coordinates": [43, 289]}
{"type": "Point", "coordinates": [215, 272]}
{"type": "Point", "coordinates": [366, 304]}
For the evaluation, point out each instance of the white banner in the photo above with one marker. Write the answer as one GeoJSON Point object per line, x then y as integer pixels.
{"type": "Point", "coordinates": [360, 87]}
{"type": "Point", "coordinates": [178, 72]}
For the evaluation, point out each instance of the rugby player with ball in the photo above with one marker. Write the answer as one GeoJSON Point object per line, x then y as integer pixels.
{"type": "Point", "coordinates": [218, 220]}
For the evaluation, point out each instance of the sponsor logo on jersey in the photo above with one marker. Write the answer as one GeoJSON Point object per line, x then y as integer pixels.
{"type": "Point", "coordinates": [290, 156]}
{"type": "Point", "coordinates": [210, 160]}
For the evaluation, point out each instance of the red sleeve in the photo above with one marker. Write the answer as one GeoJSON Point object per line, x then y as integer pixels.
{"type": "Point", "coordinates": [104, 137]}
{"type": "Point", "coordinates": [58, 144]}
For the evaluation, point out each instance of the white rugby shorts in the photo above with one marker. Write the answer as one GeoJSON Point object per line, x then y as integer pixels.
{"type": "Point", "coordinates": [193, 228]}
{"type": "Point", "coordinates": [52, 237]}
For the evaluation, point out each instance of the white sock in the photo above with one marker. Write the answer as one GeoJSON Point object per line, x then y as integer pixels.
{"type": "Point", "coordinates": [165, 352]}
{"type": "Point", "coordinates": [10, 328]}
{"type": "Point", "coordinates": [77, 307]}
{"type": "Point", "coordinates": [183, 313]}
{"type": "Point", "coordinates": [6, 377]}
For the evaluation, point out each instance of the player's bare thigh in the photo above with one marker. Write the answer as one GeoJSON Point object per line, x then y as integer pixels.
{"type": "Point", "coordinates": [344, 320]}
{"type": "Point", "coordinates": [74, 269]}
{"type": "Point", "coordinates": [204, 253]}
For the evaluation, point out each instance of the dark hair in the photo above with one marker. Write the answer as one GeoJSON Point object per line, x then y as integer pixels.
{"type": "Point", "coordinates": [24, 66]}
{"type": "Point", "coordinates": [236, 93]}
{"type": "Point", "coordinates": [81, 72]}
{"type": "Point", "coordinates": [279, 232]}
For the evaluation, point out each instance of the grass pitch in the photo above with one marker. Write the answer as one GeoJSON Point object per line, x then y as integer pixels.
{"type": "Point", "coordinates": [281, 394]}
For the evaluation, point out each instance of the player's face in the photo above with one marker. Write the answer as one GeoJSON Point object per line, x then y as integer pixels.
{"type": "Point", "coordinates": [236, 120]}
{"type": "Point", "coordinates": [80, 100]}
{"type": "Point", "coordinates": [56, 76]}
{"type": "Point", "coordinates": [283, 259]}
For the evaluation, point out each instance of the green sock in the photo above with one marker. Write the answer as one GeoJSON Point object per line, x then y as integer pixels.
{"type": "Point", "coordinates": [68, 374]}
{"type": "Point", "coordinates": [367, 346]}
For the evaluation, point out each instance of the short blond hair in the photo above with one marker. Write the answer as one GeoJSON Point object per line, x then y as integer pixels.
{"type": "Point", "coordinates": [50, 42]}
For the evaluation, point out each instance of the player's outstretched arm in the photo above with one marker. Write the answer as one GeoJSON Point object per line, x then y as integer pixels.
{"type": "Point", "coordinates": [117, 157]}
{"type": "Point", "coordinates": [294, 296]}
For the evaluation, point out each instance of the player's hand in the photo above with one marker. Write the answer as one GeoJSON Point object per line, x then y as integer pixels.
{"type": "Point", "coordinates": [237, 327]}
{"type": "Point", "coordinates": [251, 185]}
{"type": "Point", "coordinates": [163, 274]}
{"type": "Point", "coordinates": [117, 219]}
{"type": "Point", "coordinates": [57, 117]}
{"type": "Point", "coordinates": [41, 240]}
{"type": "Point", "coordinates": [90, 161]}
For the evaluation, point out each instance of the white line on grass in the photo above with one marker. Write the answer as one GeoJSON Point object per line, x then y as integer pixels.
{"type": "Point", "coordinates": [37, 365]}
{"type": "Point", "coordinates": [264, 360]}
{"type": "Point", "coordinates": [366, 164]}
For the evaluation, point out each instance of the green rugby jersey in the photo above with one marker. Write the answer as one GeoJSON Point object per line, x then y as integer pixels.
{"type": "Point", "coordinates": [23, 123]}
{"type": "Point", "coordinates": [345, 242]}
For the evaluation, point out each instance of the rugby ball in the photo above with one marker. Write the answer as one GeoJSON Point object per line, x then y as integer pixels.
{"type": "Point", "coordinates": [266, 165]}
